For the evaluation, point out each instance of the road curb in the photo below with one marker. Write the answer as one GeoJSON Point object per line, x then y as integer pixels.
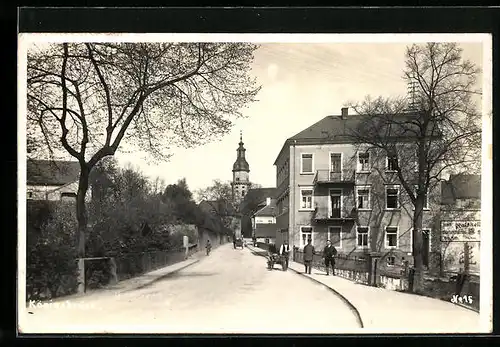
{"type": "Point", "coordinates": [342, 297]}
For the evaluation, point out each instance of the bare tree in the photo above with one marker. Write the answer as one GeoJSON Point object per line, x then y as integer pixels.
{"type": "Point", "coordinates": [436, 130]}
{"type": "Point", "coordinates": [85, 99]}
{"type": "Point", "coordinates": [220, 196]}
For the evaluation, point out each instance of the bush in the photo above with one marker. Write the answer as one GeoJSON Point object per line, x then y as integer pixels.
{"type": "Point", "coordinates": [51, 267]}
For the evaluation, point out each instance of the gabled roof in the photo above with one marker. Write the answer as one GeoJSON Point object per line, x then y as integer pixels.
{"type": "Point", "coordinates": [255, 196]}
{"type": "Point", "coordinates": [267, 210]}
{"type": "Point", "coordinates": [338, 129]}
{"type": "Point", "coordinates": [47, 172]}
{"type": "Point", "coordinates": [218, 207]}
{"type": "Point", "coordinates": [461, 186]}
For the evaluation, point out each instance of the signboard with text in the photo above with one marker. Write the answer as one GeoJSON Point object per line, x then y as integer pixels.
{"type": "Point", "coordinates": [461, 231]}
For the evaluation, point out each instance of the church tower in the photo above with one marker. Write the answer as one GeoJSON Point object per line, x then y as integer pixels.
{"type": "Point", "coordinates": [241, 172]}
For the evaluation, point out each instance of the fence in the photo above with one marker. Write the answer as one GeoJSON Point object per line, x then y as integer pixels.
{"type": "Point", "coordinates": [351, 267]}
{"type": "Point", "coordinates": [102, 271]}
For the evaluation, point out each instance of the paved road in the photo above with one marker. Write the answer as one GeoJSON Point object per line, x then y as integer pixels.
{"type": "Point", "coordinates": [230, 291]}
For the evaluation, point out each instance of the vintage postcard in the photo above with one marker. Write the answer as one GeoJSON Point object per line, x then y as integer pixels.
{"type": "Point", "coordinates": [255, 183]}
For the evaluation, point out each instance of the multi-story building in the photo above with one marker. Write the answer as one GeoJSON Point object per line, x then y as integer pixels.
{"type": "Point", "coordinates": [330, 187]}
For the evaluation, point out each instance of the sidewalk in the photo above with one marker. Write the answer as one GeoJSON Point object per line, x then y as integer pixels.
{"type": "Point", "coordinates": [135, 283]}
{"type": "Point", "coordinates": [389, 311]}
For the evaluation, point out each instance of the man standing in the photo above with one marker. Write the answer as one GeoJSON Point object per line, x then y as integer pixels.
{"type": "Point", "coordinates": [284, 252]}
{"type": "Point", "coordinates": [329, 253]}
{"type": "Point", "coordinates": [308, 256]}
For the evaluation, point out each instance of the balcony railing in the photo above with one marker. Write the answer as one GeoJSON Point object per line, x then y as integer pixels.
{"type": "Point", "coordinates": [328, 177]}
{"type": "Point", "coordinates": [323, 213]}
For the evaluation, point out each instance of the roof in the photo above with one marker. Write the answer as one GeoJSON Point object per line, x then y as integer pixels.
{"type": "Point", "coordinates": [338, 129]}
{"type": "Point", "coordinates": [254, 197]}
{"type": "Point", "coordinates": [218, 207]}
{"type": "Point", "coordinates": [266, 230]}
{"type": "Point", "coordinates": [462, 186]}
{"type": "Point", "coordinates": [48, 172]}
{"type": "Point", "coordinates": [267, 210]}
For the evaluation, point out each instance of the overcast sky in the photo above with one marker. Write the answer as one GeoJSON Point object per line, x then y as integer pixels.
{"type": "Point", "coordinates": [301, 84]}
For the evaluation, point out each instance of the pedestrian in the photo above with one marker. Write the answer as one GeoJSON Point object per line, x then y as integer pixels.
{"type": "Point", "coordinates": [329, 253]}
{"type": "Point", "coordinates": [308, 256]}
{"type": "Point", "coordinates": [208, 247]}
{"type": "Point", "coordinates": [284, 252]}
{"type": "Point", "coordinates": [234, 241]}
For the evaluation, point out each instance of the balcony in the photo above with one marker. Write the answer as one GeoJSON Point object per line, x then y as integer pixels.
{"type": "Point", "coordinates": [325, 214]}
{"type": "Point", "coordinates": [329, 177]}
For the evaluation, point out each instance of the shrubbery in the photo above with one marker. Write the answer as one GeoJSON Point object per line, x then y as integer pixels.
{"type": "Point", "coordinates": [51, 267]}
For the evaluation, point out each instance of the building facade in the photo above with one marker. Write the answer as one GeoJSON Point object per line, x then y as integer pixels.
{"type": "Point", "coordinates": [241, 174]}
{"type": "Point", "coordinates": [330, 188]}
{"type": "Point", "coordinates": [264, 222]}
{"type": "Point", "coordinates": [459, 223]}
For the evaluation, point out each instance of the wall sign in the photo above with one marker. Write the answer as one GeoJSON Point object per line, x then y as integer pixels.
{"type": "Point", "coordinates": [461, 231]}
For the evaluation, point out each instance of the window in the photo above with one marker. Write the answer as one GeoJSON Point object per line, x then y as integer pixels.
{"type": "Point", "coordinates": [391, 237]}
{"type": "Point", "coordinates": [426, 235]}
{"type": "Point", "coordinates": [391, 260]}
{"type": "Point", "coordinates": [306, 163]}
{"type": "Point", "coordinates": [68, 196]}
{"type": "Point", "coordinates": [392, 163]}
{"type": "Point", "coordinates": [364, 162]}
{"type": "Point", "coordinates": [391, 197]}
{"type": "Point", "coordinates": [335, 236]}
{"type": "Point", "coordinates": [305, 234]}
{"type": "Point", "coordinates": [426, 199]}
{"type": "Point", "coordinates": [242, 193]}
{"type": "Point", "coordinates": [362, 237]}
{"type": "Point", "coordinates": [306, 199]}
{"type": "Point", "coordinates": [335, 203]}
{"type": "Point", "coordinates": [336, 162]}
{"type": "Point", "coordinates": [363, 198]}
{"type": "Point", "coordinates": [29, 195]}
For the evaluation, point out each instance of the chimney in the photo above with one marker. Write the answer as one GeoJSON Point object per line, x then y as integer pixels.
{"type": "Point", "coordinates": [268, 201]}
{"type": "Point", "coordinates": [345, 111]}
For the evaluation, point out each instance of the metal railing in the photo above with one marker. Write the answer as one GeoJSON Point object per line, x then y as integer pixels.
{"type": "Point", "coordinates": [328, 176]}
{"type": "Point", "coordinates": [324, 213]}
{"type": "Point", "coordinates": [348, 266]}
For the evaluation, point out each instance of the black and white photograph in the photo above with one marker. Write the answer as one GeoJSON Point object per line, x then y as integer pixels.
{"type": "Point", "coordinates": [254, 183]}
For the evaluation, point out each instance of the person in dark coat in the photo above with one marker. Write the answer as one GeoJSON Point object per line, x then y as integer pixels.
{"type": "Point", "coordinates": [308, 256]}
{"type": "Point", "coordinates": [329, 253]}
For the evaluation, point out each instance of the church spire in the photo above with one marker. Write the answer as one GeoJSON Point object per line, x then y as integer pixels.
{"type": "Point", "coordinates": [241, 164]}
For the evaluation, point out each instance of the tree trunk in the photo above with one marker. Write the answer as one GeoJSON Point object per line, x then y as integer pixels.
{"type": "Point", "coordinates": [81, 211]}
{"type": "Point", "coordinates": [418, 280]}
